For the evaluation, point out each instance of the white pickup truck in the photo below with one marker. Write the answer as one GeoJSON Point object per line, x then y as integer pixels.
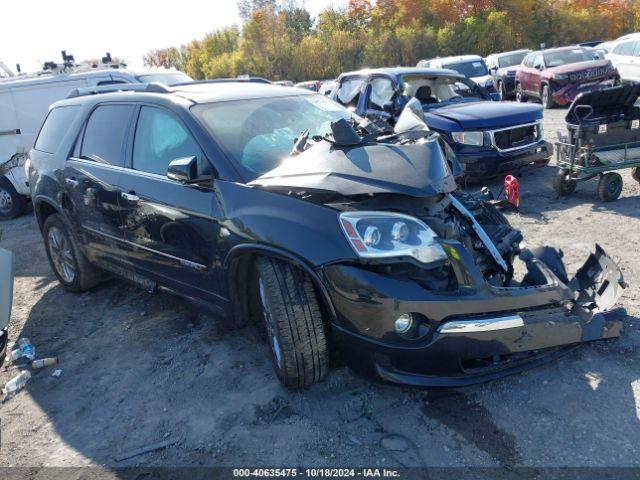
{"type": "Point", "coordinates": [24, 102]}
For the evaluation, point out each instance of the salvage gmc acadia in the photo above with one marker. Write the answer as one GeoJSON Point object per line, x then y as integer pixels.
{"type": "Point", "coordinates": [331, 232]}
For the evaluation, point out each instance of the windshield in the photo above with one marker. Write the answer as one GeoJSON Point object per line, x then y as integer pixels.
{"type": "Point", "coordinates": [475, 68]}
{"type": "Point", "coordinates": [257, 134]}
{"type": "Point", "coordinates": [511, 60]}
{"type": "Point", "coordinates": [563, 57]}
{"type": "Point", "coordinates": [169, 78]}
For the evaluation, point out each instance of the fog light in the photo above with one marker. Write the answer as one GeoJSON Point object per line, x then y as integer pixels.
{"type": "Point", "coordinates": [404, 322]}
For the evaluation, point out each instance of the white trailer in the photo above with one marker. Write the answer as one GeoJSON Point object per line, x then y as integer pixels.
{"type": "Point", "coordinates": [24, 102]}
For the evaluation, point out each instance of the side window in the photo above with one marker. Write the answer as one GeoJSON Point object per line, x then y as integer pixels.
{"type": "Point", "coordinates": [349, 91]}
{"type": "Point", "coordinates": [625, 48]}
{"type": "Point", "coordinates": [381, 93]}
{"type": "Point", "coordinates": [527, 61]}
{"type": "Point", "coordinates": [110, 82]}
{"type": "Point", "coordinates": [636, 48]}
{"type": "Point", "coordinates": [54, 128]}
{"type": "Point", "coordinates": [105, 133]}
{"type": "Point", "coordinates": [160, 138]}
{"type": "Point", "coordinates": [537, 61]}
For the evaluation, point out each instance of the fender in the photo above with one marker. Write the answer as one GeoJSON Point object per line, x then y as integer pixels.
{"type": "Point", "coordinates": [230, 268]}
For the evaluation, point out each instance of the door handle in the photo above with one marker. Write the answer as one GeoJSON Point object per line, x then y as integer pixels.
{"type": "Point", "coordinates": [72, 182]}
{"type": "Point", "coordinates": [130, 197]}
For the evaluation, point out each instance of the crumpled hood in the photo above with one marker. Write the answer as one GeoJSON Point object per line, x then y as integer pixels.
{"type": "Point", "coordinates": [484, 114]}
{"type": "Point", "coordinates": [417, 169]}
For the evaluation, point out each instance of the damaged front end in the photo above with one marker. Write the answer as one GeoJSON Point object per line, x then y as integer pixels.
{"type": "Point", "coordinates": [440, 291]}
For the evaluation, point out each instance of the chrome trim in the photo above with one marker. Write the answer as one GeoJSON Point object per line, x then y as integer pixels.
{"type": "Point", "coordinates": [480, 231]}
{"type": "Point", "coordinates": [131, 171]}
{"type": "Point", "coordinates": [481, 325]}
{"type": "Point", "coordinates": [186, 263]}
{"type": "Point", "coordinates": [537, 124]}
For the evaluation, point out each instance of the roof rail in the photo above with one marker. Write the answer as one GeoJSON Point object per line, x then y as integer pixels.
{"type": "Point", "coordinates": [224, 80]}
{"type": "Point", "coordinates": [153, 87]}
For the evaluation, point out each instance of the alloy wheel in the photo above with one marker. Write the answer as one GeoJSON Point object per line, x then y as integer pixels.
{"type": "Point", "coordinates": [272, 338]}
{"type": "Point", "coordinates": [61, 254]}
{"type": "Point", "coordinates": [6, 202]}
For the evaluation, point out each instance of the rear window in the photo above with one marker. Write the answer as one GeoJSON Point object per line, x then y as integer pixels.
{"type": "Point", "coordinates": [103, 140]}
{"type": "Point", "coordinates": [55, 127]}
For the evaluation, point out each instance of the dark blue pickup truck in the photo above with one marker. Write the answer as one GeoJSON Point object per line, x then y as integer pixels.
{"type": "Point", "coordinates": [489, 138]}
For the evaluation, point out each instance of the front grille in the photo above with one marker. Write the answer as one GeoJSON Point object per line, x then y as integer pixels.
{"type": "Point", "coordinates": [516, 137]}
{"type": "Point", "coordinates": [587, 75]}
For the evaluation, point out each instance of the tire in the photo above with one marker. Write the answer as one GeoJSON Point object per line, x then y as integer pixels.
{"type": "Point", "coordinates": [635, 173]}
{"type": "Point", "coordinates": [520, 95]}
{"type": "Point", "coordinates": [12, 204]}
{"type": "Point", "coordinates": [609, 187]}
{"type": "Point", "coordinates": [545, 98]}
{"type": "Point", "coordinates": [71, 267]}
{"type": "Point", "coordinates": [563, 185]}
{"type": "Point", "coordinates": [293, 323]}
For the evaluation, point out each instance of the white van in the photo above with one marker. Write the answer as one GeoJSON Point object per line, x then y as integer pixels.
{"type": "Point", "coordinates": [24, 102]}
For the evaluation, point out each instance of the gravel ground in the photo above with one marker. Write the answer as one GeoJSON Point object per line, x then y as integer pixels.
{"type": "Point", "coordinates": [139, 369]}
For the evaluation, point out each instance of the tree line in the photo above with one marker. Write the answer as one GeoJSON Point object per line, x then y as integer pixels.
{"type": "Point", "coordinates": [281, 41]}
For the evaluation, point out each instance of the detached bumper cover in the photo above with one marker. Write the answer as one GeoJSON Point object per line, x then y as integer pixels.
{"type": "Point", "coordinates": [566, 94]}
{"type": "Point", "coordinates": [478, 334]}
{"type": "Point", "coordinates": [486, 164]}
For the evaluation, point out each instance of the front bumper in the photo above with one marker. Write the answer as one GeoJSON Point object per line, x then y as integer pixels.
{"type": "Point", "coordinates": [474, 334]}
{"type": "Point", "coordinates": [485, 164]}
{"type": "Point", "coordinates": [566, 94]}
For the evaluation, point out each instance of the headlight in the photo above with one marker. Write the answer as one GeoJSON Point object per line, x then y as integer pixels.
{"type": "Point", "coordinates": [468, 138]}
{"type": "Point", "coordinates": [388, 235]}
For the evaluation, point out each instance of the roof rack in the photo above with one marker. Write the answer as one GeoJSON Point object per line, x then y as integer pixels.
{"type": "Point", "coordinates": [153, 87]}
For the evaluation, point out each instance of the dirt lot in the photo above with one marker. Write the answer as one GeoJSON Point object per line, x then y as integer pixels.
{"type": "Point", "coordinates": [140, 369]}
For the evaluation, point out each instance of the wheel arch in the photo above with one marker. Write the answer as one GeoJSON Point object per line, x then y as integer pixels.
{"type": "Point", "coordinates": [237, 266]}
{"type": "Point", "coordinates": [44, 207]}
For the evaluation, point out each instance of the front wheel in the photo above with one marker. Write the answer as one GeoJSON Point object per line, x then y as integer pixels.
{"type": "Point", "coordinates": [563, 184]}
{"type": "Point", "coordinates": [547, 99]}
{"type": "Point", "coordinates": [609, 187]}
{"type": "Point", "coordinates": [520, 95]}
{"type": "Point", "coordinates": [293, 323]}
{"type": "Point", "coordinates": [12, 204]}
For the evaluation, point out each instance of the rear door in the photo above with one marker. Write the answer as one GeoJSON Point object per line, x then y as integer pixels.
{"type": "Point", "coordinates": [173, 228]}
{"type": "Point", "coordinates": [92, 179]}
{"type": "Point", "coordinates": [623, 56]}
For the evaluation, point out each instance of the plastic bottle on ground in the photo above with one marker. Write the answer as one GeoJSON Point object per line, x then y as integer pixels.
{"type": "Point", "coordinates": [16, 383]}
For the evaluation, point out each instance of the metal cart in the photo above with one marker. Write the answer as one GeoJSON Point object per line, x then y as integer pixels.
{"type": "Point", "coordinates": [603, 136]}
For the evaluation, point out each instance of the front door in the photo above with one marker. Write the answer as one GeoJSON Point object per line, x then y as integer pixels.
{"type": "Point", "coordinates": [173, 228]}
{"type": "Point", "coordinates": [92, 180]}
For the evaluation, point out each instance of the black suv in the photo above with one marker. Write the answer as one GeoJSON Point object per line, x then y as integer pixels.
{"type": "Point", "coordinates": [278, 205]}
{"type": "Point", "coordinates": [502, 68]}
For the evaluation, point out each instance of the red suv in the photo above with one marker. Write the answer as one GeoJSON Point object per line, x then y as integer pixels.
{"type": "Point", "coordinates": [557, 75]}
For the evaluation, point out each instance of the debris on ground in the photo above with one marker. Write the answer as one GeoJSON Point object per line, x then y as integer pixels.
{"type": "Point", "coordinates": [44, 362]}
{"type": "Point", "coordinates": [28, 350]}
{"type": "Point", "coordinates": [147, 449]}
{"type": "Point", "coordinates": [57, 372]}
{"type": "Point", "coordinates": [16, 383]}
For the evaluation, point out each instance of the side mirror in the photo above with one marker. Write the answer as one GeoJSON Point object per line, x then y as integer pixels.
{"type": "Point", "coordinates": [388, 107]}
{"type": "Point", "coordinates": [538, 67]}
{"type": "Point", "coordinates": [184, 170]}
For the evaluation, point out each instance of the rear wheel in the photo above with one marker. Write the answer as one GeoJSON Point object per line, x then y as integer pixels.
{"type": "Point", "coordinates": [609, 187]}
{"type": "Point", "coordinates": [547, 99]}
{"type": "Point", "coordinates": [12, 204]}
{"type": "Point", "coordinates": [69, 264]}
{"type": "Point", "coordinates": [563, 184]}
{"type": "Point", "coordinates": [293, 323]}
{"type": "Point", "coordinates": [520, 95]}
{"type": "Point", "coordinates": [501, 90]}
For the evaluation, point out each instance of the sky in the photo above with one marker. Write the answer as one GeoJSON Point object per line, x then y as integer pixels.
{"type": "Point", "coordinates": [35, 31]}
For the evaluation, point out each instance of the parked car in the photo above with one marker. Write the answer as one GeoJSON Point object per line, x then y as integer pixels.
{"type": "Point", "coordinates": [471, 66]}
{"type": "Point", "coordinates": [313, 85]}
{"type": "Point", "coordinates": [326, 86]}
{"type": "Point", "coordinates": [24, 101]}
{"type": "Point", "coordinates": [284, 83]}
{"type": "Point", "coordinates": [624, 54]}
{"type": "Point", "coordinates": [557, 75]}
{"type": "Point", "coordinates": [502, 67]}
{"type": "Point", "coordinates": [488, 138]}
{"type": "Point", "coordinates": [355, 240]}
{"type": "Point", "coordinates": [6, 298]}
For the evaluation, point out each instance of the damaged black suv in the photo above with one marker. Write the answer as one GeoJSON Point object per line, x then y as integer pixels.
{"type": "Point", "coordinates": [332, 233]}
